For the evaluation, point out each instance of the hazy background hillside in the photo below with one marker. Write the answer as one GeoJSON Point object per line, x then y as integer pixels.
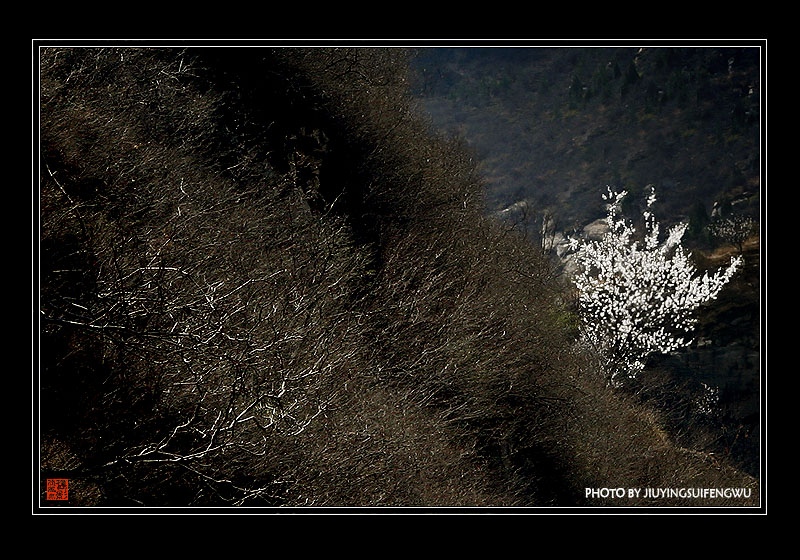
{"type": "Point", "coordinates": [554, 126]}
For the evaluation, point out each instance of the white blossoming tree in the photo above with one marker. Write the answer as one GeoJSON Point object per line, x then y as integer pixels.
{"type": "Point", "coordinates": [734, 229]}
{"type": "Point", "coordinates": [638, 296]}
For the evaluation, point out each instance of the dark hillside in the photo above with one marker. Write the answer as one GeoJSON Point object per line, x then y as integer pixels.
{"type": "Point", "coordinates": [554, 126]}
{"type": "Point", "coordinates": [264, 282]}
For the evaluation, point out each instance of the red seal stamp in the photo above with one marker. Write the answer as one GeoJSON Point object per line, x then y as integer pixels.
{"type": "Point", "coordinates": [57, 488]}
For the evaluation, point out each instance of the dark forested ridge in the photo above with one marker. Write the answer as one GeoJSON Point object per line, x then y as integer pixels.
{"type": "Point", "coordinates": [554, 125]}
{"type": "Point", "coordinates": [265, 282]}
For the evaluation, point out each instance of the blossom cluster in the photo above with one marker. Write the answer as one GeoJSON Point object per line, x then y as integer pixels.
{"type": "Point", "coordinates": [638, 296]}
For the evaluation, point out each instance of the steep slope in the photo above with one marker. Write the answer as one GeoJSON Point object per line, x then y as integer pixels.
{"type": "Point", "coordinates": [263, 282]}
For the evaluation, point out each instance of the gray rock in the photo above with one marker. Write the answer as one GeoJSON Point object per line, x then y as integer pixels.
{"type": "Point", "coordinates": [596, 229]}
